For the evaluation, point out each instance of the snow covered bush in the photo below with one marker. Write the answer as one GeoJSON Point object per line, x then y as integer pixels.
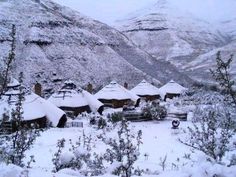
{"type": "Point", "coordinates": [214, 123]}
{"type": "Point", "coordinates": [201, 97]}
{"type": "Point", "coordinates": [14, 146]}
{"type": "Point", "coordinates": [12, 171]}
{"type": "Point", "coordinates": [97, 120]}
{"type": "Point", "coordinates": [211, 132]}
{"type": "Point", "coordinates": [79, 157]}
{"type": "Point", "coordinates": [115, 117]}
{"type": "Point", "coordinates": [72, 159]}
{"type": "Point", "coordinates": [153, 110]}
{"type": "Point", "coordinates": [102, 123]}
{"type": "Point", "coordinates": [195, 97]}
{"type": "Point", "coordinates": [124, 151]}
{"type": "Point", "coordinates": [232, 160]}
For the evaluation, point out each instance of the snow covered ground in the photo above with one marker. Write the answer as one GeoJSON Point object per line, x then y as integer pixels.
{"type": "Point", "coordinates": [159, 140]}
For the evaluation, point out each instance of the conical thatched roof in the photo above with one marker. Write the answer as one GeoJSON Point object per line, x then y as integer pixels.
{"type": "Point", "coordinates": [33, 107]}
{"type": "Point", "coordinates": [145, 89]}
{"type": "Point", "coordinates": [114, 91]}
{"type": "Point", "coordinates": [68, 96]}
{"type": "Point", "coordinates": [172, 88]}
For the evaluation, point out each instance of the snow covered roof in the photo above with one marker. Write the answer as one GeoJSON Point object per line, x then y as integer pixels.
{"type": "Point", "coordinates": [93, 102]}
{"type": "Point", "coordinates": [12, 92]}
{"type": "Point", "coordinates": [116, 92]}
{"type": "Point", "coordinates": [34, 107]}
{"type": "Point", "coordinates": [145, 88]}
{"type": "Point", "coordinates": [13, 83]}
{"type": "Point", "coordinates": [75, 99]}
{"type": "Point", "coordinates": [172, 87]}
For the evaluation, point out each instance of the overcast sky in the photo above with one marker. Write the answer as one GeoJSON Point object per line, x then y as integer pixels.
{"type": "Point", "coordinates": [108, 11]}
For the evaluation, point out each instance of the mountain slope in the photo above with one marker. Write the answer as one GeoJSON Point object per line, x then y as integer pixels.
{"type": "Point", "coordinates": [201, 66]}
{"type": "Point", "coordinates": [54, 41]}
{"type": "Point", "coordinates": [229, 27]}
{"type": "Point", "coordinates": [174, 35]}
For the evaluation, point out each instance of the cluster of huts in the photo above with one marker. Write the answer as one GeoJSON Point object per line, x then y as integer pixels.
{"type": "Point", "coordinates": [73, 100]}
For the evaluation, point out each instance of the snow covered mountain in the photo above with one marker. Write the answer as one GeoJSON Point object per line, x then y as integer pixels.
{"type": "Point", "coordinates": [229, 27]}
{"type": "Point", "coordinates": [199, 67]}
{"type": "Point", "coordinates": [56, 42]}
{"type": "Point", "coordinates": [175, 35]}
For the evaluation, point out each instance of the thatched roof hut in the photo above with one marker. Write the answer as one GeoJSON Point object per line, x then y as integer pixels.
{"type": "Point", "coordinates": [171, 90]}
{"type": "Point", "coordinates": [147, 91]}
{"type": "Point", "coordinates": [35, 109]}
{"type": "Point", "coordinates": [116, 96]}
{"type": "Point", "coordinates": [75, 101]}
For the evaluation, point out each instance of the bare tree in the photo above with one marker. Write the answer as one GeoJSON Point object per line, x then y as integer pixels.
{"type": "Point", "coordinates": [14, 145]}
{"type": "Point", "coordinates": [124, 150]}
{"type": "Point", "coordinates": [162, 162]}
{"type": "Point", "coordinates": [222, 76]}
{"type": "Point", "coordinates": [9, 60]}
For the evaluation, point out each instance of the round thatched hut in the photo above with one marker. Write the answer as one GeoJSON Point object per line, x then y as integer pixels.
{"type": "Point", "coordinates": [146, 91]}
{"type": "Point", "coordinates": [171, 90]}
{"type": "Point", "coordinates": [35, 109]}
{"type": "Point", "coordinates": [116, 96]}
{"type": "Point", "coordinates": [75, 101]}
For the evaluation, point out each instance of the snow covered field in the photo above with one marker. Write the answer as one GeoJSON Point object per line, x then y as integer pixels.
{"type": "Point", "coordinates": [159, 140]}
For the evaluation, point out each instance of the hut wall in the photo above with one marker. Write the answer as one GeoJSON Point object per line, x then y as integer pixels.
{"type": "Point", "coordinates": [115, 103]}
{"type": "Point", "coordinates": [107, 103]}
{"type": "Point", "coordinates": [100, 110]}
{"type": "Point", "coordinates": [39, 123]}
{"type": "Point", "coordinates": [119, 103]}
{"type": "Point", "coordinates": [76, 111]}
{"type": "Point", "coordinates": [150, 97]}
{"type": "Point", "coordinates": [171, 96]}
{"type": "Point", "coordinates": [137, 102]}
{"type": "Point", "coordinates": [62, 121]}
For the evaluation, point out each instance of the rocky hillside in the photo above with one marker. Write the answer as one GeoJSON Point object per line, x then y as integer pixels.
{"type": "Point", "coordinates": [55, 42]}
{"type": "Point", "coordinates": [229, 27]}
{"type": "Point", "coordinates": [171, 34]}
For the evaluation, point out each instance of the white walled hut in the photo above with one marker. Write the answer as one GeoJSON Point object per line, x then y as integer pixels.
{"type": "Point", "coordinates": [75, 101]}
{"type": "Point", "coordinates": [116, 96]}
{"type": "Point", "coordinates": [146, 91]}
{"type": "Point", "coordinates": [35, 109]}
{"type": "Point", "coordinates": [171, 90]}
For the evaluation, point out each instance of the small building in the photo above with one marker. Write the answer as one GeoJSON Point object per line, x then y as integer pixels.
{"type": "Point", "coordinates": [35, 109]}
{"type": "Point", "coordinates": [171, 90]}
{"type": "Point", "coordinates": [146, 91]}
{"type": "Point", "coordinates": [75, 101]}
{"type": "Point", "coordinates": [116, 96]}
